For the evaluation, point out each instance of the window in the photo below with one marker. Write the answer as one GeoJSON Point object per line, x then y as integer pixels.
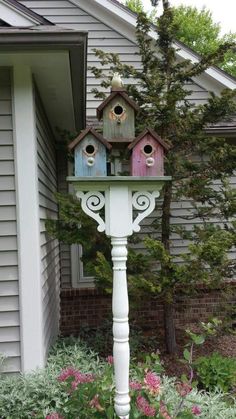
{"type": "Point", "coordinates": [80, 278]}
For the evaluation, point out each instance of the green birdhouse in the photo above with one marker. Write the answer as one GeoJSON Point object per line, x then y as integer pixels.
{"type": "Point", "coordinates": [118, 114]}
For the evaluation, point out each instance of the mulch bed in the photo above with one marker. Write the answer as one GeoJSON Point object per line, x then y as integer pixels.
{"type": "Point", "coordinates": [225, 344]}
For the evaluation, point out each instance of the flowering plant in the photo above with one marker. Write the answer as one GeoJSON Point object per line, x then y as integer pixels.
{"type": "Point", "coordinates": [91, 396]}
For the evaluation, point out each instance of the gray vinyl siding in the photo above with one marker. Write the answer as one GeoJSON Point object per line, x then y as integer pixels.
{"type": "Point", "coordinates": [49, 248]}
{"type": "Point", "coordinates": [63, 188]}
{"type": "Point", "coordinates": [9, 289]}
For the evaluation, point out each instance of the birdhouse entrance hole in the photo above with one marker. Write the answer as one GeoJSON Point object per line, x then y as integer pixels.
{"type": "Point", "coordinates": [148, 149]}
{"type": "Point", "coordinates": [118, 110]}
{"type": "Point", "coordinates": [90, 149]}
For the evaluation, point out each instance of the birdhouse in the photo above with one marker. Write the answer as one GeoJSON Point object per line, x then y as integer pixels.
{"type": "Point", "coordinates": [118, 113]}
{"type": "Point", "coordinates": [147, 157]}
{"type": "Point", "coordinates": [90, 153]}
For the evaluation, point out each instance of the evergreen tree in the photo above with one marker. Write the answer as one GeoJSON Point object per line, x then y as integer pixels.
{"type": "Point", "coordinates": [166, 107]}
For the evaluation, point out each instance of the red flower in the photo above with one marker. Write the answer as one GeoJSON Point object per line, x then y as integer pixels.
{"type": "Point", "coordinates": [153, 382]}
{"type": "Point", "coordinates": [135, 385]}
{"type": "Point", "coordinates": [66, 373]}
{"type": "Point", "coordinates": [196, 410]}
{"type": "Point", "coordinates": [110, 359]}
{"type": "Point", "coordinates": [78, 377]}
{"type": "Point", "coordinates": [144, 407]}
{"type": "Point", "coordinates": [163, 411]}
{"type": "Point", "coordinates": [54, 416]}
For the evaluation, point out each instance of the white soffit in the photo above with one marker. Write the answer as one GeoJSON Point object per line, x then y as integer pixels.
{"type": "Point", "coordinates": [15, 17]}
{"type": "Point", "coordinates": [51, 71]}
{"type": "Point", "coordinates": [124, 21]}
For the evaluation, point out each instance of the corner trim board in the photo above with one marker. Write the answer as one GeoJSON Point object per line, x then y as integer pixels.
{"type": "Point", "coordinates": [28, 226]}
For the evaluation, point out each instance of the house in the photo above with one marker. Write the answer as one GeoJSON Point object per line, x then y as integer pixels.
{"type": "Point", "coordinates": [42, 87]}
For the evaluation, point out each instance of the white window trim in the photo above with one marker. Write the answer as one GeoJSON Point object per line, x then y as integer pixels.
{"type": "Point", "coordinates": [78, 280]}
{"type": "Point", "coordinates": [28, 225]}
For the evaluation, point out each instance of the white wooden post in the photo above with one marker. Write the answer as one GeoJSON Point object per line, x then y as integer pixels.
{"type": "Point", "coordinates": [120, 196]}
{"type": "Point", "coordinates": [120, 309]}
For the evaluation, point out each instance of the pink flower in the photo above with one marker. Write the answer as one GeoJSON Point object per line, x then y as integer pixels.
{"type": "Point", "coordinates": [66, 373]}
{"type": "Point", "coordinates": [95, 403]}
{"type": "Point", "coordinates": [196, 410]}
{"type": "Point", "coordinates": [153, 382]}
{"type": "Point", "coordinates": [110, 360]}
{"type": "Point", "coordinates": [163, 411]}
{"type": "Point", "coordinates": [78, 377]}
{"type": "Point", "coordinates": [54, 416]}
{"type": "Point", "coordinates": [144, 407]}
{"type": "Point", "coordinates": [183, 389]}
{"type": "Point", "coordinates": [135, 385]}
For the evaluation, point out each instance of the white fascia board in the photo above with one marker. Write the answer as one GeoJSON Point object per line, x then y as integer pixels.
{"type": "Point", "coordinates": [127, 25]}
{"type": "Point", "coordinates": [118, 10]}
{"type": "Point", "coordinates": [123, 23]}
{"type": "Point", "coordinates": [221, 78]}
{"type": "Point", "coordinates": [15, 17]}
{"type": "Point", "coordinates": [215, 73]}
{"type": "Point", "coordinates": [28, 225]}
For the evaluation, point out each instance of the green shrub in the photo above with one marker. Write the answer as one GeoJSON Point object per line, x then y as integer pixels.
{"type": "Point", "coordinates": [26, 395]}
{"type": "Point", "coordinates": [2, 360]}
{"type": "Point", "coordinates": [216, 371]}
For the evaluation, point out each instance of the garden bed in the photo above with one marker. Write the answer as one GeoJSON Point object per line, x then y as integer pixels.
{"type": "Point", "coordinates": [225, 344]}
{"type": "Point", "coordinates": [77, 384]}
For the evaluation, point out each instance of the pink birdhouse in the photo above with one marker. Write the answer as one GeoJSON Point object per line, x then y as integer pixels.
{"type": "Point", "coordinates": [147, 157]}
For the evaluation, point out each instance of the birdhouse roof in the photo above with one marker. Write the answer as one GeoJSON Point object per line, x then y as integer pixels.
{"type": "Point", "coordinates": [153, 135]}
{"type": "Point", "coordinates": [83, 134]}
{"type": "Point", "coordinates": [116, 91]}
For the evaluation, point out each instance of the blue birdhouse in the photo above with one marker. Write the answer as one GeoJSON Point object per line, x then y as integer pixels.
{"type": "Point", "coordinates": [90, 153]}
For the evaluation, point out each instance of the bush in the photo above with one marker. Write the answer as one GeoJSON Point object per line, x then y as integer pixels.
{"type": "Point", "coordinates": [216, 371]}
{"type": "Point", "coordinates": [24, 396]}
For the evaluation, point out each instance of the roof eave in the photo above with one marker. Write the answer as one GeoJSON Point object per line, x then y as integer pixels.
{"type": "Point", "coordinates": [153, 134]}
{"type": "Point", "coordinates": [114, 93]}
{"type": "Point", "coordinates": [83, 134]}
{"type": "Point", "coordinates": [184, 52]}
{"type": "Point", "coordinates": [221, 132]}
{"type": "Point", "coordinates": [43, 38]}
{"type": "Point", "coordinates": [28, 13]}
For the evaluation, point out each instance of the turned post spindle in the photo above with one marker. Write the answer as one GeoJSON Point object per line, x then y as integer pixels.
{"type": "Point", "coordinates": [120, 309]}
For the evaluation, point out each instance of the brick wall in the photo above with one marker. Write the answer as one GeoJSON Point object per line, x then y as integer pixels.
{"type": "Point", "coordinates": [89, 307]}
